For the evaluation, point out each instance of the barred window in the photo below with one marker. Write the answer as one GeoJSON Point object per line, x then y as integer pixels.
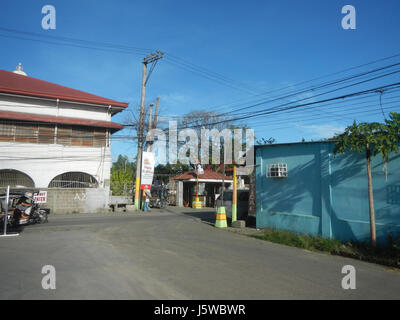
{"type": "Point", "coordinates": [82, 137]}
{"type": "Point", "coordinates": [64, 135]}
{"type": "Point", "coordinates": [74, 180]}
{"type": "Point", "coordinates": [100, 138]}
{"type": "Point", "coordinates": [46, 134]}
{"type": "Point", "coordinates": [18, 131]}
{"type": "Point", "coordinates": [7, 131]}
{"type": "Point", "coordinates": [26, 132]}
{"type": "Point", "coordinates": [15, 179]}
{"type": "Point", "coordinates": [277, 170]}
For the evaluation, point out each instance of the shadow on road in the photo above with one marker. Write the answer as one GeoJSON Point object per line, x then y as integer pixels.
{"type": "Point", "coordinates": [10, 230]}
{"type": "Point", "coordinates": [204, 216]}
{"type": "Point", "coordinates": [209, 217]}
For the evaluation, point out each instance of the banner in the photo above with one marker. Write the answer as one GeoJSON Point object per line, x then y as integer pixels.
{"type": "Point", "coordinates": [148, 162]}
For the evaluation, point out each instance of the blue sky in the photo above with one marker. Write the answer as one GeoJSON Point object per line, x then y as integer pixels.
{"type": "Point", "coordinates": [262, 44]}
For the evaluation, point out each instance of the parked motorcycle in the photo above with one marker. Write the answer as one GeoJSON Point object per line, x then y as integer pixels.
{"type": "Point", "coordinates": [22, 210]}
{"type": "Point", "coordinates": [159, 195]}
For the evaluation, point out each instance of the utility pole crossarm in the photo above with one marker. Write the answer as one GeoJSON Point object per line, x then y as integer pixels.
{"type": "Point", "coordinates": [153, 57]}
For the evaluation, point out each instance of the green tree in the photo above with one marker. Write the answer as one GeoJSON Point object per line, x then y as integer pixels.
{"type": "Point", "coordinates": [165, 172]}
{"type": "Point", "coordinates": [122, 173]}
{"type": "Point", "coordinates": [123, 163]}
{"type": "Point", "coordinates": [371, 139]}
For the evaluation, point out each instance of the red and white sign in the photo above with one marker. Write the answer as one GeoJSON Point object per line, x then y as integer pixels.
{"type": "Point", "coordinates": [40, 197]}
{"type": "Point", "coordinates": [148, 162]}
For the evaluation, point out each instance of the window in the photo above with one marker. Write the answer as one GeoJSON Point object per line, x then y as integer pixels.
{"type": "Point", "coordinates": [7, 131]}
{"type": "Point", "coordinates": [100, 138]}
{"type": "Point", "coordinates": [277, 170]}
{"type": "Point", "coordinates": [15, 179]}
{"type": "Point", "coordinates": [82, 137]}
{"type": "Point", "coordinates": [46, 134]}
{"type": "Point", "coordinates": [26, 133]}
{"type": "Point", "coordinates": [87, 137]}
{"type": "Point", "coordinates": [64, 135]}
{"type": "Point", "coordinates": [18, 131]}
{"type": "Point", "coordinates": [74, 180]}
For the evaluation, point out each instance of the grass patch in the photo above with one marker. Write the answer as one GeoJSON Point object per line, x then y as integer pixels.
{"type": "Point", "coordinates": [389, 256]}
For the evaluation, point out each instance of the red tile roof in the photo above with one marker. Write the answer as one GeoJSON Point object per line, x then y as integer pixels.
{"type": "Point", "coordinates": [60, 120]}
{"type": "Point", "coordinates": [23, 85]}
{"type": "Point", "coordinates": [208, 174]}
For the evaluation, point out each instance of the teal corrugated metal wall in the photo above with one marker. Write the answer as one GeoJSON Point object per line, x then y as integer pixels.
{"type": "Point", "coordinates": [326, 195]}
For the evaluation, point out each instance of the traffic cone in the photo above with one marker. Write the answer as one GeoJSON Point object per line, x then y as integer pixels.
{"type": "Point", "coordinates": [220, 221]}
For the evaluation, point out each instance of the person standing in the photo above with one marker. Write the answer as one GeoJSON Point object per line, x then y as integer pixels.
{"type": "Point", "coordinates": [147, 195]}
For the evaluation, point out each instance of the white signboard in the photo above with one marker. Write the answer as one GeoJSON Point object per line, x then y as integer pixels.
{"type": "Point", "coordinates": [40, 197]}
{"type": "Point", "coordinates": [148, 162]}
{"type": "Point", "coordinates": [242, 171]}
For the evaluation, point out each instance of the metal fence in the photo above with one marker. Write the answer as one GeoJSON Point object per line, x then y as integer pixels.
{"type": "Point", "coordinates": [71, 184]}
{"type": "Point", "coordinates": [74, 180]}
{"type": "Point", "coordinates": [15, 179]}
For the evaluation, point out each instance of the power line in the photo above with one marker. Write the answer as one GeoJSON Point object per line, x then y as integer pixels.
{"type": "Point", "coordinates": [275, 110]}
{"type": "Point", "coordinates": [171, 58]}
{"type": "Point", "coordinates": [319, 117]}
{"type": "Point", "coordinates": [375, 111]}
{"type": "Point", "coordinates": [312, 80]}
{"type": "Point", "coordinates": [284, 107]}
{"type": "Point", "coordinates": [335, 82]}
{"type": "Point", "coordinates": [96, 45]}
{"type": "Point", "coordinates": [336, 105]}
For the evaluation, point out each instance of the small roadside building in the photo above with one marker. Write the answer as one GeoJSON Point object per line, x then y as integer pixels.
{"type": "Point", "coordinates": [305, 188]}
{"type": "Point", "coordinates": [56, 139]}
{"type": "Point", "coordinates": [210, 185]}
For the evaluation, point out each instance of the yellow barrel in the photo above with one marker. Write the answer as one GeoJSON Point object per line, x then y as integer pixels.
{"type": "Point", "coordinates": [196, 204]}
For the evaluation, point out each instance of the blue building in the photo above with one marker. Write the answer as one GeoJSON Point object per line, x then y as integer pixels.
{"type": "Point", "coordinates": [303, 187]}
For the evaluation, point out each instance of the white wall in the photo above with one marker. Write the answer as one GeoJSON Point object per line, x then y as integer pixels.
{"type": "Point", "coordinates": [45, 107]}
{"type": "Point", "coordinates": [43, 162]}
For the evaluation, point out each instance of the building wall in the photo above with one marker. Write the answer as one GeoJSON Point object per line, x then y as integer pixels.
{"type": "Point", "coordinates": [76, 200]}
{"type": "Point", "coordinates": [326, 195]}
{"type": "Point", "coordinates": [50, 108]}
{"type": "Point", "coordinates": [43, 162]}
{"type": "Point", "coordinates": [85, 200]}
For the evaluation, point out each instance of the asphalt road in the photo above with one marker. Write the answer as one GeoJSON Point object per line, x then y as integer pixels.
{"type": "Point", "coordinates": [169, 255]}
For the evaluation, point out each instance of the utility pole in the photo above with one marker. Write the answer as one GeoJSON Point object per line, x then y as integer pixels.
{"type": "Point", "coordinates": [156, 113]}
{"type": "Point", "coordinates": [223, 185]}
{"type": "Point", "coordinates": [150, 59]}
{"type": "Point", "coordinates": [150, 122]}
{"type": "Point", "coordinates": [234, 196]}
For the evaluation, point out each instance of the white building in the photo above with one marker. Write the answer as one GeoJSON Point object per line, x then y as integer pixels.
{"type": "Point", "coordinates": [57, 139]}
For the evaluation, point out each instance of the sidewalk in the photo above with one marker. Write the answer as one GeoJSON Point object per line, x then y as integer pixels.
{"type": "Point", "coordinates": [207, 216]}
